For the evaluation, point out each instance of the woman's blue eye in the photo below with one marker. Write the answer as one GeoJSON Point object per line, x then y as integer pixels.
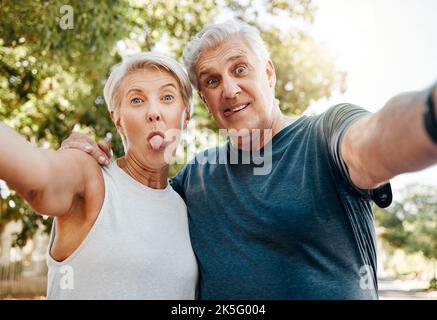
{"type": "Point", "coordinates": [136, 100]}
{"type": "Point", "coordinates": [168, 97]}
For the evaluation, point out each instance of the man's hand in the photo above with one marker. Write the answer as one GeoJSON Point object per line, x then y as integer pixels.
{"type": "Point", "coordinates": [101, 151]}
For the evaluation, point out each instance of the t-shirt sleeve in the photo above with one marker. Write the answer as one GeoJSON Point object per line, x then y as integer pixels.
{"type": "Point", "coordinates": [177, 182]}
{"type": "Point", "coordinates": [334, 123]}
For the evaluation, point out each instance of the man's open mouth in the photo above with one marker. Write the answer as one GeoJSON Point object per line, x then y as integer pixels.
{"type": "Point", "coordinates": [229, 112]}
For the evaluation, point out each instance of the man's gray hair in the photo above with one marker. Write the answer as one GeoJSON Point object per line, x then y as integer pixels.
{"type": "Point", "coordinates": [213, 35]}
{"type": "Point", "coordinates": [144, 61]}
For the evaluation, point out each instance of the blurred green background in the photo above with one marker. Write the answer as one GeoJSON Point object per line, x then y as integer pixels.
{"type": "Point", "coordinates": [51, 82]}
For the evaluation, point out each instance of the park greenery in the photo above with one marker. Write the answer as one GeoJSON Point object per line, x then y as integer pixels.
{"type": "Point", "coordinates": [52, 73]}
{"type": "Point", "coordinates": [410, 224]}
{"type": "Point", "coordinates": [51, 81]}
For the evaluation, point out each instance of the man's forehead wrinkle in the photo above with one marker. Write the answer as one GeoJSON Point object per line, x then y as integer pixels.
{"type": "Point", "coordinates": [219, 56]}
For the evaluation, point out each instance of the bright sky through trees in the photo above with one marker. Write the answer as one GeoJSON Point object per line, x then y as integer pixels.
{"type": "Point", "coordinates": [386, 47]}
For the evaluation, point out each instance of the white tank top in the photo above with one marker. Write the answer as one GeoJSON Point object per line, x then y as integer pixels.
{"type": "Point", "coordinates": [138, 248]}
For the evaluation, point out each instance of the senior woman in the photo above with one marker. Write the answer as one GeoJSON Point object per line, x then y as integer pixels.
{"type": "Point", "coordinates": [120, 232]}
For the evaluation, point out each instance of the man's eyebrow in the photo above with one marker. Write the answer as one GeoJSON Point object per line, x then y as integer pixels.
{"type": "Point", "coordinates": [236, 57]}
{"type": "Point", "coordinates": [204, 72]}
{"type": "Point", "coordinates": [230, 59]}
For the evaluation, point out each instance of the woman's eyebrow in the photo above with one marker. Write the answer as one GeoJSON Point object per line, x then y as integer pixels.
{"type": "Point", "coordinates": [168, 85]}
{"type": "Point", "coordinates": [138, 90]}
{"type": "Point", "coordinates": [134, 90]}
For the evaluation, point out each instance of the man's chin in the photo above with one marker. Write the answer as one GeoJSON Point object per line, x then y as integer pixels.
{"type": "Point", "coordinates": [241, 126]}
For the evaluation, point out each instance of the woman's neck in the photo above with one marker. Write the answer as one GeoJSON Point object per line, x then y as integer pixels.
{"type": "Point", "coordinates": [153, 178]}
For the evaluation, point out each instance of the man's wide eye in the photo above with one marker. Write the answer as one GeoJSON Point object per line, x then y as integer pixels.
{"type": "Point", "coordinates": [240, 69]}
{"type": "Point", "coordinates": [211, 81]}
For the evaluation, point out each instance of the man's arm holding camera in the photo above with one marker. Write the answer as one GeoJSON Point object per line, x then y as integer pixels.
{"type": "Point", "coordinates": [392, 141]}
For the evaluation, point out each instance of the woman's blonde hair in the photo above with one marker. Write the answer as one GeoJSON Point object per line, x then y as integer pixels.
{"type": "Point", "coordinates": [144, 61]}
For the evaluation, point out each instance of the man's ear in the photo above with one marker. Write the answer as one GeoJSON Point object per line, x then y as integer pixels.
{"type": "Point", "coordinates": [271, 73]}
{"type": "Point", "coordinates": [202, 97]}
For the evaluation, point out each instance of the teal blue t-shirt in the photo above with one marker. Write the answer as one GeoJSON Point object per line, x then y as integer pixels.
{"type": "Point", "coordinates": [302, 231]}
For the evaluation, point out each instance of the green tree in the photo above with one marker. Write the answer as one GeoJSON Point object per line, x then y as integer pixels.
{"type": "Point", "coordinates": [51, 78]}
{"type": "Point", "coordinates": [411, 224]}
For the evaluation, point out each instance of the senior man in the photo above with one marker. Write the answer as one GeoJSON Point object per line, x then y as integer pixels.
{"type": "Point", "coordinates": [304, 229]}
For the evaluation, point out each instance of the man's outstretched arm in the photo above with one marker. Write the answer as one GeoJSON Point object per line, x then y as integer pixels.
{"type": "Point", "coordinates": [391, 141]}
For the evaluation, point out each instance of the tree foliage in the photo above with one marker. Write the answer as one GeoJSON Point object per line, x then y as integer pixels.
{"type": "Point", "coordinates": [51, 78]}
{"type": "Point", "coordinates": [411, 224]}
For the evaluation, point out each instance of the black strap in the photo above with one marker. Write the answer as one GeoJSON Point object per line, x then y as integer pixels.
{"type": "Point", "coordinates": [382, 196]}
{"type": "Point", "coordinates": [430, 117]}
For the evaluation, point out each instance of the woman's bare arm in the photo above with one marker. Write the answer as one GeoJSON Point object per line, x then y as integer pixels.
{"type": "Point", "coordinates": [49, 181]}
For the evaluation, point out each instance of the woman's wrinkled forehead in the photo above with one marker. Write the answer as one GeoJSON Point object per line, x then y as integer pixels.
{"type": "Point", "coordinates": [150, 78]}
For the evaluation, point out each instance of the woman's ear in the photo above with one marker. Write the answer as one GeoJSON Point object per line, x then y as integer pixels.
{"type": "Point", "coordinates": [116, 120]}
{"type": "Point", "coordinates": [186, 117]}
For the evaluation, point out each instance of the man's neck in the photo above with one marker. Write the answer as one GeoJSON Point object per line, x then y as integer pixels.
{"type": "Point", "coordinates": [259, 138]}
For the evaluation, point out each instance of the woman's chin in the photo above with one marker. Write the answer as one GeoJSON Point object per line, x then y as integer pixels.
{"type": "Point", "coordinates": [158, 159]}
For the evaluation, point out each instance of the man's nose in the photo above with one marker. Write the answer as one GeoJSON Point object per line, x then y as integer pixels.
{"type": "Point", "coordinates": [230, 88]}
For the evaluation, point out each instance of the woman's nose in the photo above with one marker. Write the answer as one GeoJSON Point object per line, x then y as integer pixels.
{"type": "Point", "coordinates": [153, 115]}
